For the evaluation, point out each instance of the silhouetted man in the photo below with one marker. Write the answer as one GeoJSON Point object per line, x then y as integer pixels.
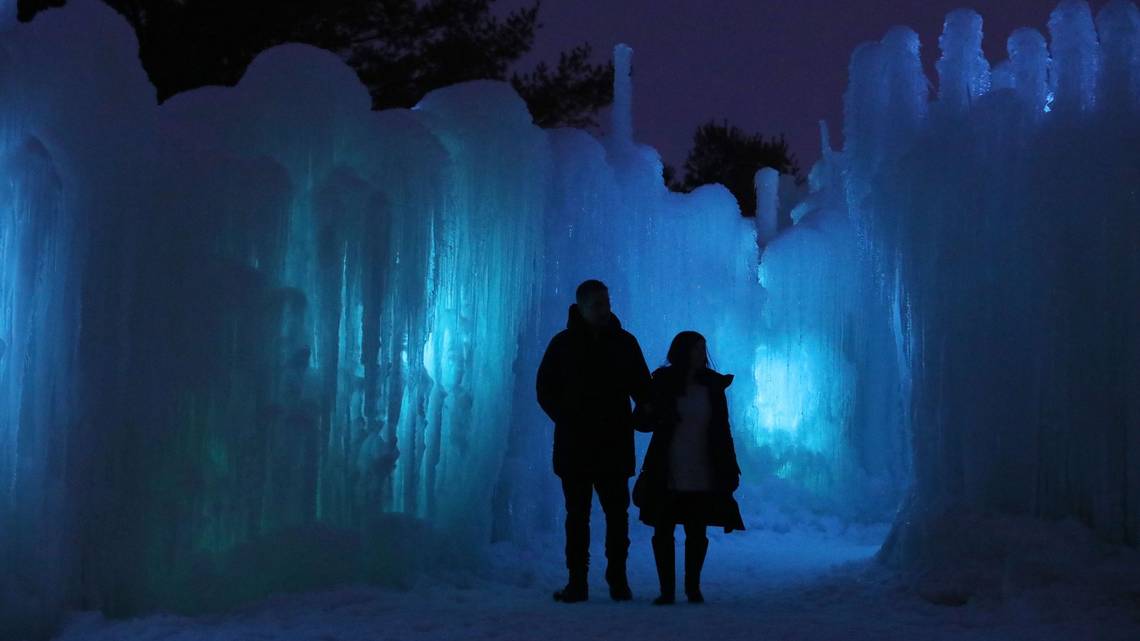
{"type": "Point", "coordinates": [588, 374]}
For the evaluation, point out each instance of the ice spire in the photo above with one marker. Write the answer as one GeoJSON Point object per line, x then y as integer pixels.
{"type": "Point", "coordinates": [1075, 55]}
{"type": "Point", "coordinates": [1029, 60]}
{"type": "Point", "coordinates": [963, 72]}
{"type": "Point", "coordinates": [7, 14]}
{"type": "Point", "coordinates": [623, 96]}
{"type": "Point", "coordinates": [767, 184]}
{"type": "Point", "coordinates": [1119, 26]}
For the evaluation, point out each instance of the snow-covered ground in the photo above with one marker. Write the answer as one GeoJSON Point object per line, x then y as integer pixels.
{"type": "Point", "coordinates": [811, 580]}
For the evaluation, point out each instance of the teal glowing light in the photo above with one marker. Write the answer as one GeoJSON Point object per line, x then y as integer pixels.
{"type": "Point", "coordinates": [800, 410]}
{"type": "Point", "coordinates": [803, 398]}
{"type": "Point", "coordinates": [783, 388]}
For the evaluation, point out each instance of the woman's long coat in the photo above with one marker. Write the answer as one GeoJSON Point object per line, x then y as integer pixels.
{"type": "Point", "coordinates": [651, 489]}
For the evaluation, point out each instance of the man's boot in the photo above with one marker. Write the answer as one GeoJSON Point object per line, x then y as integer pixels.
{"type": "Point", "coordinates": [576, 589]}
{"type": "Point", "coordinates": [665, 556]}
{"type": "Point", "coordinates": [695, 550]}
{"type": "Point", "coordinates": [616, 578]}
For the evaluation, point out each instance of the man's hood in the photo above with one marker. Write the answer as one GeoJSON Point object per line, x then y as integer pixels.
{"type": "Point", "coordinates": [576, 322]}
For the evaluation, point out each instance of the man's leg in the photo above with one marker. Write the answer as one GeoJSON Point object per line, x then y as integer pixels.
{"type": "Point", "coordinates": [613, 494]}
{"type": "Point", "coordinates": [577, 493]}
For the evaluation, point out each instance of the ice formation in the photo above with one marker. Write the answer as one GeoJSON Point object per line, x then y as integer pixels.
{"type": "Point", "coordinates": [262, 338]}
{"type": "Point", "coordinates": [1012, 219]}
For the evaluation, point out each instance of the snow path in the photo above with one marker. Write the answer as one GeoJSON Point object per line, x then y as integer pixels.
{"type": "Point", "coordinates": [760, 584]}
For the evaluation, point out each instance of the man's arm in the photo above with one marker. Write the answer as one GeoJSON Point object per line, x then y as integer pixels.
{"type": "Point", "coordinates": [641, 386]}
{"type": "Point", "coordinates": [549, 380]}
{"type": "Point", "coordinates": [641, 389]}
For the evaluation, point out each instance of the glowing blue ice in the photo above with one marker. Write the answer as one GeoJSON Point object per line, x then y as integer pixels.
{"type": "Point", "coordinates": [263, 336]}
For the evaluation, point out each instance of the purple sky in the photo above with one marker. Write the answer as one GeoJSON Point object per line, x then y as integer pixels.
{"type": "Point", "coordinates": [768, 66]}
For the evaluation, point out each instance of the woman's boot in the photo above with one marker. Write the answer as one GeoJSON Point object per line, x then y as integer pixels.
{"type": "Point", "coordinates": [665, 556]}
{"type": "Point", "coordinates": [695, 549]}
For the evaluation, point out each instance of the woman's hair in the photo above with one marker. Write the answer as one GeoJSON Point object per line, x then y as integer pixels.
{"type": "Point", "coordinates": [682, 346]}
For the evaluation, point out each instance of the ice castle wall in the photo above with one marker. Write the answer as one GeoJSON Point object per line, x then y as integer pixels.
{"type": "Point", "coordinates": [1011, 217]}
{"type": "Point", "coordinates": [262, 338]}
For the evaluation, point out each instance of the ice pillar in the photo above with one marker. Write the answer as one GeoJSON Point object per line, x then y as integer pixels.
{"type": "Point", "coordinates": [623, 96]}
{"type": "Point", "coordinates": [963, 72]}
{"type": "Point", "coordinates": [1029, 59]}
{"type": "Point", "coordinates": [1119, 26]}
{"type": "Point", "coordinates": [1075, 55]}
{"type": "Point", "coordinates": [8, 14]}
{"type": "Point", "coordinates": [767, 204]}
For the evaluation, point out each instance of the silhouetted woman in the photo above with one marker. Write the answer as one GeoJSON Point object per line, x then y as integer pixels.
{"type": "Point", "coordinates": [690, 470]}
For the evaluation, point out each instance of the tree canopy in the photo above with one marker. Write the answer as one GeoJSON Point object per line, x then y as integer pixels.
{"type": "Point", "coordinates": [400, 49]}
{"type": "Point", "coordinates": [728, 155]}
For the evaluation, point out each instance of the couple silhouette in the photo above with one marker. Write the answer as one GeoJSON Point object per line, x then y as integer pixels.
{"type": "Point", "coordinates": [588, 375]}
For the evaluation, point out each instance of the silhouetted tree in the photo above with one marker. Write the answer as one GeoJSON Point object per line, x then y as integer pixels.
{"type": "Point", "coordinates": [571, 95]}
{"type": "Point", "coordinates": [401, 49]}
{"type": "Point", "coordinates": [725, 154]}
{"type": "Point", "coordinates": [669, 175]}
